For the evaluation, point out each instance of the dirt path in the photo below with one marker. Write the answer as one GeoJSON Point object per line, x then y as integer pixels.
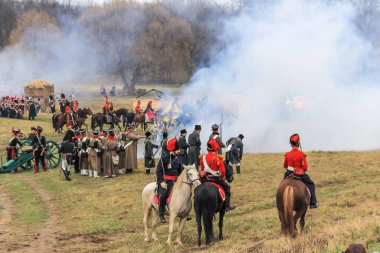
{"type": "Point", "coordinates": [5, 215]}
{"type": "Point", "coordinates": [44, 237]}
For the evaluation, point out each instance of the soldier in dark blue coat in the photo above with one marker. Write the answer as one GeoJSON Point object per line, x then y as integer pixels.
{"type": "Point", "coordinates": [168, 169]}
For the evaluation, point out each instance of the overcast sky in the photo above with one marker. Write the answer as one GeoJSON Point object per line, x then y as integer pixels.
{"type": "Point", "coordinates": [142, 1]}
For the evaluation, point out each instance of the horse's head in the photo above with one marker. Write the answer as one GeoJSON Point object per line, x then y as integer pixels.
{"type": "Point", "coordinates": [88, 110]}
{"type": "Point", "coordinates": [192, 176]}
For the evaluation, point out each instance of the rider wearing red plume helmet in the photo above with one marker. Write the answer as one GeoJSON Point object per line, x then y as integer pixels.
{"type": "Point", "coordinates": [212, 168]}
{"type": "Point", "coordinates": [295, 163]}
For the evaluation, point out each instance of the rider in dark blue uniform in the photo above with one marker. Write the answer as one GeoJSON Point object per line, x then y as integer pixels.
{"type": "Point", "coordinates": [168, 169]}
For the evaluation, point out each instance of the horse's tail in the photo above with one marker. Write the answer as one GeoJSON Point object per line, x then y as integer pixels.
{"type": "Point", "coordinates": [208, 216]}
{"type": "Point", "coordinates": [54, 121]}
{"type": "Point", "coordinates": [288, 199]}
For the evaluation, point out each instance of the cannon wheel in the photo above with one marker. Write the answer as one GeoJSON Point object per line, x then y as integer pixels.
{"type": "Point", "coordinates": [53, 159]}
{"type": "Point", "coordinates": [19, 153]}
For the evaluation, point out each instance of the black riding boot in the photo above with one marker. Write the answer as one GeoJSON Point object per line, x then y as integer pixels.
{"type": "Point", "coordinates": [227, 190]}
{"type": "Point", "coordinates": [147, 171]}
{"type": "Point", "coordinates": [310, 184]}
{"type": "Point", "coordinates": [238, 169]}
{"type": "Point", "coordinates": [162, 212]}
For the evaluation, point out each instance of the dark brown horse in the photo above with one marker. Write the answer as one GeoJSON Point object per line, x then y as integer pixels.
{"type": "Point", "coordinates": [292, 195]}
{"type": "Point", "coordinates": [60, 120]}
{"type": "Point", "coordinates": [99, 119]}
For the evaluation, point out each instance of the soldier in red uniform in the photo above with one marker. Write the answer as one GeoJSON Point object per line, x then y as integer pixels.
{"type": "Point", "coordinates": [212, 168]}
{"type": "Point", "coordinates": [295, 164]}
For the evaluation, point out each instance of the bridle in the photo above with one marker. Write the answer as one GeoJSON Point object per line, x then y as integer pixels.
{"type": "Point", "coordinates": [188, 180]}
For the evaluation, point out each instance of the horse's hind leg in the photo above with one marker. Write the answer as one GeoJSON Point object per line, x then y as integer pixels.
{"type": "Point", "coordinates": [154, 224]}
{"type": "Point", "coordinates": [221, 217]}
{"type": "Point", "coordinates": [302, 221]}
{"type": "Point", "coordinates": [147, 213]}
{"type": "Point", "coordinates": [282, 220]}
{"type": "Point", "coordinates": [296, 217]}
{"type": "Point", "coordinates": [199, 227]}
{"type": "Point", "coordinates": [180, 230]}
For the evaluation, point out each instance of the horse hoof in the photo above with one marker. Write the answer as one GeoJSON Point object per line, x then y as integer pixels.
{"type": "Point", "coordinates": [179, 242]}
{"type": "Point", "coordinates": [155, 239]}
{"type": "Point", "coordinates": [146, 240]}
{"type": "Point", "coordinates": [221, 238]}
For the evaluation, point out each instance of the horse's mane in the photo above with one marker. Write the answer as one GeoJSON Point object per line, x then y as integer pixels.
{"type": "Point", "coordinates": [180, 178]}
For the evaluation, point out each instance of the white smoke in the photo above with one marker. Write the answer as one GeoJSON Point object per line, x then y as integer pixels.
{"type": "Point", "coordinates": [295, 66]}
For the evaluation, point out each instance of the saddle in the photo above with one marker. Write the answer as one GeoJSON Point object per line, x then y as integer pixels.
{"type": "Point", "coordinates": [156, 198]}
{"type": "Point", "coordinates": [222, 193]}
{"type": "Point", "coordinates": [109, 119]}
{"type": "Point", "coordinates": [295, 177]}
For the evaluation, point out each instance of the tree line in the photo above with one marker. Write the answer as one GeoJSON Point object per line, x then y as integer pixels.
{"type": "Point", "coordinates": [160, 42]}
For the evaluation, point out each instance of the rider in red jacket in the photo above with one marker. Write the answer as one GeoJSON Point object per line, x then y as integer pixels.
{"type": "Point", "coordinates": [295, 164]}
{"type": "Point", "coordinates": [212, 168]}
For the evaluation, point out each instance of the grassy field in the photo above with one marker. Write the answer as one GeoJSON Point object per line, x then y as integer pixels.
{"type": "Point", "coordinates": [99, 215]}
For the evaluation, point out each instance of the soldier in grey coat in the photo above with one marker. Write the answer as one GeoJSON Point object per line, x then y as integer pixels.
{"type": "Point", "coordinates": [234, 151]}
{"type": "Point", "coordinates": [149, 155]}
{"type": "Point", "coordinates": [195, 146]}
{"type": "Point", "coordinates": [183, 146]}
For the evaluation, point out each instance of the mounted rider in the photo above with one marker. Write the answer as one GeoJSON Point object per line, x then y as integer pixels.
{"type": "Point", "coordinates": [295, 164]}
{"type": "Point", "coordinates": [138, 107]}
{"type": "Point", "coordinates": [70, 114]}
{"type": "Point", "coordinates": [168, 169]}
{"type": "Point", "coordinates": [149, 111]}
{"type": "Point", "coordinates": [212, 169]}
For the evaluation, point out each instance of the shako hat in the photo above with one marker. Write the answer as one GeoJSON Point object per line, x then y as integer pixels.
{"type": "Point", "coordinates": [295, 140]}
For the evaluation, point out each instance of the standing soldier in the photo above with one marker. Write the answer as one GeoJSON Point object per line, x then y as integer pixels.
{"type": "Point", "coordinates": [164, 144]}
{"type": "Point", "coordinates": [149, 156]}
{"type": "Point", "coordinates": [215, 136]}
{"type": "Point", "coordinates": [111, 147]}
{"type": "Point", "coordinates": [32, 110]}
{"type": "Point", "coordinates": [168, 169]}
{"type": "Point", "coordinates": [183, 146]}
{"type": "Point", "coordinates": [13, 145]}
{"type": "Point", "coordinates": [76, 140]}
{"type": "Point", "coordinates": [195, 146]}
{"type": "Point", "coordinates": [52, 104]}
{"type": "Point", "coordinates": [67, 150]}
{"type": "Point", "coordinates": [131, 149]}
{"type": "Point", "coordinates": [234, 151]}
{"type": "Point", "coordinates": [33, 132]}
{"type": "Point", "coordinates": [39, 145]}
{"type": "Point", "coordinates": [83, 153]}
{"type": "Point", "coordinates": [69, 135]}
{"type": "Point", "coordinates": [94, 154]}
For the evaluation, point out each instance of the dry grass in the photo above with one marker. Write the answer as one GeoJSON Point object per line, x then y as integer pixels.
{"type": "Point", "coordinates": [106, 215]}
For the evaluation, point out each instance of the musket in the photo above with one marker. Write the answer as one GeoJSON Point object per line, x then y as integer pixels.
{"type": "Point", "coordinates": [221, 127]}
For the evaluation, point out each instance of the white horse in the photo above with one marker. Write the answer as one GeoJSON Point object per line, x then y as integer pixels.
{"type": "Point", "coordinates": [179, 206]}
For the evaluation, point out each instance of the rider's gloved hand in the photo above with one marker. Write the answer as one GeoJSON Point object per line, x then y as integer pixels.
{"type": "Point", "coordinates": [164, 185]}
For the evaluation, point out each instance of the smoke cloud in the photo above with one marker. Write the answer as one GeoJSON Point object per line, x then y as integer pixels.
{"type": "Point", "coordinates": [295, 67]}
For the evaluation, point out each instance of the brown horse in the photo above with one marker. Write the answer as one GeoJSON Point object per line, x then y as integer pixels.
{"type": "Point", "coordinates": [60, 120]}
{"type": "Point", "coordinates": [292, 195]}
{"type": "Point", "coordinates": [140, 119]}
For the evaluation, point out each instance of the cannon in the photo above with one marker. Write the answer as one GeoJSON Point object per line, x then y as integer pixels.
{"type": "Point", "coordinates": [25, 157]}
